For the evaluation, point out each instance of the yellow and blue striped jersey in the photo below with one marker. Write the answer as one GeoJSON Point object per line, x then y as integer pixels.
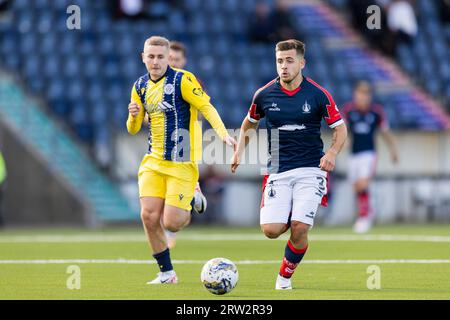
{"type": "Point", "coordinates": [172, 104]}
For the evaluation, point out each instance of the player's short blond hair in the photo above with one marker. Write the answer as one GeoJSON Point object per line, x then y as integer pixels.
{"type": "Point", "coordinates": [157, 41]}
{"type": "Point", "coordinates": [291, 44]}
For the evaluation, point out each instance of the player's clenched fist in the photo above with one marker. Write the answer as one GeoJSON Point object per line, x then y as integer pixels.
{"type": "Point", "coordinates": [234, 162]}
{"type": "Point", "coordinates": [328, 161]}
{"type": "Point", "coordinates": [133, 109]}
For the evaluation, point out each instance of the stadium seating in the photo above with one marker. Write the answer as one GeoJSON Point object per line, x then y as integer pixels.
{"type": "Point", "coordinates": [427, 61]}
{"type": "Point", "coordinates": [86, 75]}
{"type": "Point", "coordinates": [66, 157]}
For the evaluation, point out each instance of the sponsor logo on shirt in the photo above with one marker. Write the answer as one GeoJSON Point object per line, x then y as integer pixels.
{"type": "Point", "coordinates": [165, 106]}
{"type": "Point", "coordinates": [198, 92]}
{"type": "Point", "coordinates": [274, 107]}
{"type": "Point", "coordinates": [292, 127]}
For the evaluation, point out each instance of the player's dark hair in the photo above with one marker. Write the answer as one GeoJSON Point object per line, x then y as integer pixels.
{"type": "Point", "coordinates": [178, 46]}
{"type": "Point", "coordinates": [363, 84]}
{"type": "Point", "coordinates": [291, 44]}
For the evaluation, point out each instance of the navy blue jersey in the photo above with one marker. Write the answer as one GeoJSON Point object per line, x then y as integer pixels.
{"type": "Point", "coordinates": [363, 126]}
{"type": "Point", "coordinates": [293, 121]}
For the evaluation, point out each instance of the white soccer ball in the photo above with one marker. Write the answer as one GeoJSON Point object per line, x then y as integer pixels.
{"type": "Point", "coordinates": [219, 275]}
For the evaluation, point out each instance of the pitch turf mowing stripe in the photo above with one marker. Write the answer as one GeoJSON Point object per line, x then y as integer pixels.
{"type": "Point", "coordinates": [217, 237]}
{"type": "Point", "coordinates": [242, 262]}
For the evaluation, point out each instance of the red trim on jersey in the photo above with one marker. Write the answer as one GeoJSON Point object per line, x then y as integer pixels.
{"type": "Point", "coordinates": [264, 182]}
{"type": "Point", "coordinates": [383, 124]}
{"type": "Point", "coordinates": [295, 250]}
{"type": "Point", "coordinates": [332, 110]}
{"type": "Point", "coordinates": [290, 92]}
{"type": "Point", "coordinates": [261, 89]}
{"type": "Point", "coordinates": [252, 111]}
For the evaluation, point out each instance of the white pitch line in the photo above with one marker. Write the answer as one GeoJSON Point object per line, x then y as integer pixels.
{"type": "Point", "coordinates": [217, 237]}
{"type": "Point", "coordinates": [240, 262]}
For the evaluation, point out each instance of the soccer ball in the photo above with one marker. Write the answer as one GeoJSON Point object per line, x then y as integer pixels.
{"type": "Point", "coordinates": [219, 276]}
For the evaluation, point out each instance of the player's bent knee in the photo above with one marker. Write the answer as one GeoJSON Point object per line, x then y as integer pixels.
{"type": "Point", "coordinates": [150, 219]}
{"type": "Point", "coordinates": [300, 229]}
{"type": "Point", "coordinates": [271, 232]}
{"type": "Point", "coordinates": [172, 227]}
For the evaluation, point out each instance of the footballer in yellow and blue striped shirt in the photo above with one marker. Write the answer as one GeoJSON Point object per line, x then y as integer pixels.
{"type": "Point", "coordinates": [168, 172]}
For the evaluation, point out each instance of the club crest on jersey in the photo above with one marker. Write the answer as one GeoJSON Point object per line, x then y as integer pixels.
{"type": "Point", "coordinates": [306, 107]}
{"type": "Point", "coordinates": [169, 88]}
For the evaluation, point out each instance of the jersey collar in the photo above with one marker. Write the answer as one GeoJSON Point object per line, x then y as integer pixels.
{"type": "Point", "coordinates": [290, 92]}
{"type": "Point", "coordinates": [164, 75]}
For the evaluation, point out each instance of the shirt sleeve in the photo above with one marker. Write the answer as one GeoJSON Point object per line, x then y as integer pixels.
{"type": "Point", "coordinates": [134, 123]}
{"type": "Point", "coordinates": [330, 110]}
{"type": "Point", "coordinates": [382, 121]}
{"type": "Point", "coordinates": [256, 112]}
{"type": "Point", "coordinates": [193, 94]}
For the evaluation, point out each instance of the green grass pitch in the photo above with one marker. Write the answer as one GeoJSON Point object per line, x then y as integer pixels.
{"type": "Point", "coordinates": [414, 263]}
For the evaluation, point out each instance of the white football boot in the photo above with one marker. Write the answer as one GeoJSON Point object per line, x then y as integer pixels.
{"type": "Point", "coordinates": [168, 277]}
{"type": "Point", "coordinates": [200, 202]}
{"type": "Point", "coordinates": [283, 283]}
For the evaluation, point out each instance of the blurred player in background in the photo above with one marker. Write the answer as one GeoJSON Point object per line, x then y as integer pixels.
{"type": "Point", "coordinates": [364, 118]}
{"type": "Point", "coordinates": [297, 182]}
{"type": "Point", "coordinates": [168, 173]}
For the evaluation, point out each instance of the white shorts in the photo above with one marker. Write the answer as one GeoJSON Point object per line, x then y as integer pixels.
{"type": "Point", "coordinates": [362, 165]}
{"type": "Point", "coordinates": [296, 193]}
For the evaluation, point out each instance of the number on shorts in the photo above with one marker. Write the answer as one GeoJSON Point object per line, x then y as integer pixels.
{"type": "Point", "coordinates": [321, 186]}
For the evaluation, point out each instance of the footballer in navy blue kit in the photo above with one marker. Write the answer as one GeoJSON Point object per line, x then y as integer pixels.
{"type": "Point", "coordinates": [364, 119]}
{"type": "Point", "coordinates": [293, 107]}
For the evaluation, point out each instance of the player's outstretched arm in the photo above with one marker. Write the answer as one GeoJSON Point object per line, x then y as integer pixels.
{"type": "Point", "coordinates": [193, 93]}
{"type": "Point", "coordinates": [328, 161]}
{"type": "Point", "coordinates": [389, 139]}
{"type": "Point", "coordinates": [242, 142]}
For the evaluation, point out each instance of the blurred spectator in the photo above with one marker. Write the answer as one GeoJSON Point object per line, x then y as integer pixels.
{"type": "Point", "coordinates": [271, 26]}
{"type": "Point", "coordinates": [4, 8]}
{"type": "Point", "coordinates": [444, 10]}
{"type": "Point", "coordinates": [284, 22]}
{"type": "Point", "coordinates": [146, 9]}
{"type": "Point", "coordinates": [130, 8]}
{"type": "Point", "coordinates": [402, 21]}
{"type": "Point", "coordinates": [379, 39]}
{"type": "Point", "coordinates": [2, 185]}
{"type": "Point", "coordinates": [262, 27]}
{"type": "Point", "coordinates": [4, 5]}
